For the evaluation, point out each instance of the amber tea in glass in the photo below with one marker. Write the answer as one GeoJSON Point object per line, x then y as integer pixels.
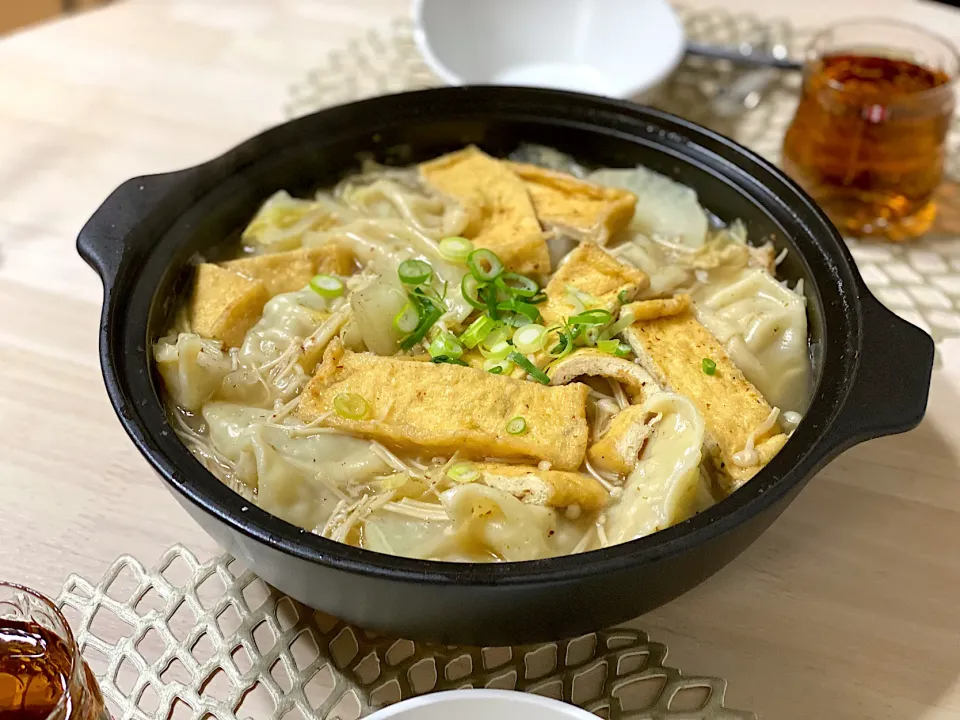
{"type": "Point", "coordinates": [42, 675]}
{"type": "Point", "coordinates": [868, 138]}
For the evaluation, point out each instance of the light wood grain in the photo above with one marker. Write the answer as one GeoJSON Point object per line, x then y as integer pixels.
{"type": "Point", "coordinates": [847, 608]}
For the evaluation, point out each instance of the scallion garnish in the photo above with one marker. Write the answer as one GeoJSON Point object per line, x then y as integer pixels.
{"type": "Point", "coordinates": [456, 249]}
{"type": "Point", "coordinates": [445, 344]}
{"type": "Point", "coordinates": [591, 317]}
{"type": "Point", "coordinates": [407, 319]}
{"type": "Point", "coordinates": [489, 295]}
{"type": "Point", "coordinates": [531, 369]}
{"type": "Point", "coordinates": [440, 359]}
{"type": "Point", "coordinates": [326, 286]}
{"type": "Point", "coordinates": [516, 284]}
{"type": "Point", "coordinates": [497, 367]}
{"type": "Point", "coordinates": [530, 338]}
{"type": "Point", "coordinates": [517, 426]}
{"type": "Point", "coordinates": [478, 331]}
{"type": "Point", "coordinates": [428, 312]}
{"type": "Point", "coordinates": [623, 296]}
{"type": "Point", "coordinates": [537, 299]}
{"type": "Point", "coordinates": [709, 366]}
{"type": "Point", "coordinates": [350, 406]}
{"type": "Point", "coordinates": [614, 347]}
{"type": "Point", "coordinates": [497, 335]}
{"type": "Point", "coordinates": [470, 287]}
{"type": "Point", "coordinates": [564, 344]}
{"type": "Point", "coordinates": [498, 352]}
{"type": "Point", "coordinates": [484, 264]}
{"type": "Point", "coordinates": [518, 312]}
{"type": "Point", "coordinates": [463, 472]}
{"type": "Point", "coordinates": [414, 272]}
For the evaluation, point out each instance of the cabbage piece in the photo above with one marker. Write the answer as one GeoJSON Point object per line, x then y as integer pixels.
{"type": "Point", "coordinates": [664, 206]}
{"type": "Point", "coordinates": [763, 327]}
{"type": "Point", "coordinates": [664, 487]}
{"type": "Point", "coordinates": [192, 368]}
{"type": "Point", "coordinates": [374, 306]}
{"type": "Point", "coordinates": [408, 199]}
{"type": "Point", "coordinates": [282, 221]}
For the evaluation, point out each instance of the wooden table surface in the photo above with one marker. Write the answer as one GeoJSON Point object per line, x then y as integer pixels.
{"type": "Point", "coordinates": [849, 607]}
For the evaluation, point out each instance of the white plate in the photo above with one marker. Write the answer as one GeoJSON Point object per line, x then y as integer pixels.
{"type": "Point", "coordinates": [618, 48]}
{"type": "Point", "coordinates": [482, 705]}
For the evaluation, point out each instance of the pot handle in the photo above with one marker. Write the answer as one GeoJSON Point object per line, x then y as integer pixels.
{"type": "Point", "coordinates": [107, 240]}
{"type": "Point", "coordinates": [890, 389]}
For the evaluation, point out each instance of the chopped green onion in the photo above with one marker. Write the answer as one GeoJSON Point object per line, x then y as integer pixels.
{"type": "Point", "coordinates": [414, 272]}
{"type": "Point", "coordinates": [445, 344]}
{"type": "Point", "coordinates": [537, 299]}
{"type": "Point", "coordinates": [429, 314]}
{"type": "Point", "coordinates": [517, 426]}
{"type": "Point", "coordinates": [470, 287]}
{"type": "Point", "coordinates": [463, 472]}
{"type": "Point", "coordinates": [498, 352]}
{"type": "Point", "coordinates": [484, 264]}
{"type": "Point", "coordinates": [624, 321]}
{"type": "Point", "coordinates": [440, 359]}
{"type": "Point", "coordinates": [456, 249]}
{"type": "Point", "coordinates": [351, 406]}
{"type": "Point", "coordinates": [623, 296]}
{"type": "Point", "coordinates": [579, 299]}
{"type": "Point", "coordinates": [564, 344]}
{"type": "Point", "coordinates": [530, 338]}
{"type": "Point", "coordinates": [532, 370]}
{"type": "Point", "coordinates": [326, 286]}
{"type": "Point", "coordinates": [489, 295]}
{"type": "Point", "coordinates": [407, 319]}
{"type": "Point", "coordinates": [478, 331]}
{"type": "Point", "coordinates": [591, 335]}
{"type": "Point", "coordinates": [516, 284]}
{"type": "Point", "coordinates": [709, 366]}
{"type": "Point", "coordinates": [519, 313]}
{"type": "Point", "coordinates": [497, 335]}
{"type": "Point", "coordinates": [497, 367]}
{"type": "Point", "coordinates": [591, 317]}
{"type": "Point", "coordinates": [614, 347]}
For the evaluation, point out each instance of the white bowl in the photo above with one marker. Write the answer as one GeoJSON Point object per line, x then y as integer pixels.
{"type": "Point", "coordinates": [482, 705]}
{"type": "Point", "coordinates": [617, 48]}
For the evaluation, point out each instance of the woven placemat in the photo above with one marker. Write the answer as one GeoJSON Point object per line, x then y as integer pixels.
{"type": "Point", "coordinates": [191, 639]}
{"type": "Point", "coordinates": [920, 280]}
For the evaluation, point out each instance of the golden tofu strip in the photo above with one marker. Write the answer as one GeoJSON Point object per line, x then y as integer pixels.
{"type": "Point", "coordinates": [224, 305]}
{"type": "Point", "coordinates": [501, 213]}
{"type": "Point", "coordinates": [552, 488]}
{"type": "Point", "coordinates": [658, 308]}
{"type": "Point", "coordinates": [672, 349]}
{"type": "Point", "coordinates": [618, 449]}
{"type": "Point", "coordinates": [590, 362]}
{"type": "Point", "coordinates": [581, 209]}
{"type": "Point", "coordinates": [599, 279]}
{"type": "Point", "coordinates": [289, 271]}
{"type": "Point", "coordinates": [442, 408]}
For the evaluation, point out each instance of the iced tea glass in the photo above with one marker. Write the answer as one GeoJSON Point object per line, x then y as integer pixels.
{"type": "Point", "coordinates": [868, 138]}
{"type": "Point", "coordinates": [42, 674]}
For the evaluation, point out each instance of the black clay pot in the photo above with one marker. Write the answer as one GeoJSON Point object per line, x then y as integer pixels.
{"type": "Point", "coordinates": [872, 370]}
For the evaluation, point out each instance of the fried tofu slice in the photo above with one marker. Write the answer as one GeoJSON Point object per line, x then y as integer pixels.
{"type": "Point", "coordinates": [442, 408]}
{"type": "Point", "coordinates": [587, 361]}
{"type": "Point", "coordinates": [672, 349]}
{"type": "Point", "coordinates": [618, 449]}
{"type": "Point", "coordinates": [501, 213]}
{"type": "Point", "coordinates": [581, 209]}
{"type": "Point", "coordinates": [658, 308]}
{"type": "Point", "coordinates": [289, 271]}
{"type": "Point", "coordinates": [605, 281]}
{"type": "Point", "coordinates": [551, 488]}
{"type": "Point", "coordinates": [224, 305]}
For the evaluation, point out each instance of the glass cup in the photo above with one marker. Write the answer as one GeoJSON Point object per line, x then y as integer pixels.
{"type": "Point", "coordinates": [868, 138]}
{"type": "Point", "coordinates": [42, 675]}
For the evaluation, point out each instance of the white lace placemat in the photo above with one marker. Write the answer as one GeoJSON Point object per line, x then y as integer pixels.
{"type": "Point", "coordinates": [919, 280]}
{"type": "Point", "coordinates": [187, 639]}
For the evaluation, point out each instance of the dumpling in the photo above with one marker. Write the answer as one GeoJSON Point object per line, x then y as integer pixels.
{"type": "Point", "coordinates": [282, 221]}
{"type": "Point", "coordinates": [664, 206]}
{"type": "Point", "coordinates": [192, 368]}
{"type": "Point", "coordinates": [298, 477]}
{"type": "Point", "coordinates": [664, 487]}
{"type": "Point", "coordinates": [763, 327]}
{"type": "Point", "coordinates": [496, 522]}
